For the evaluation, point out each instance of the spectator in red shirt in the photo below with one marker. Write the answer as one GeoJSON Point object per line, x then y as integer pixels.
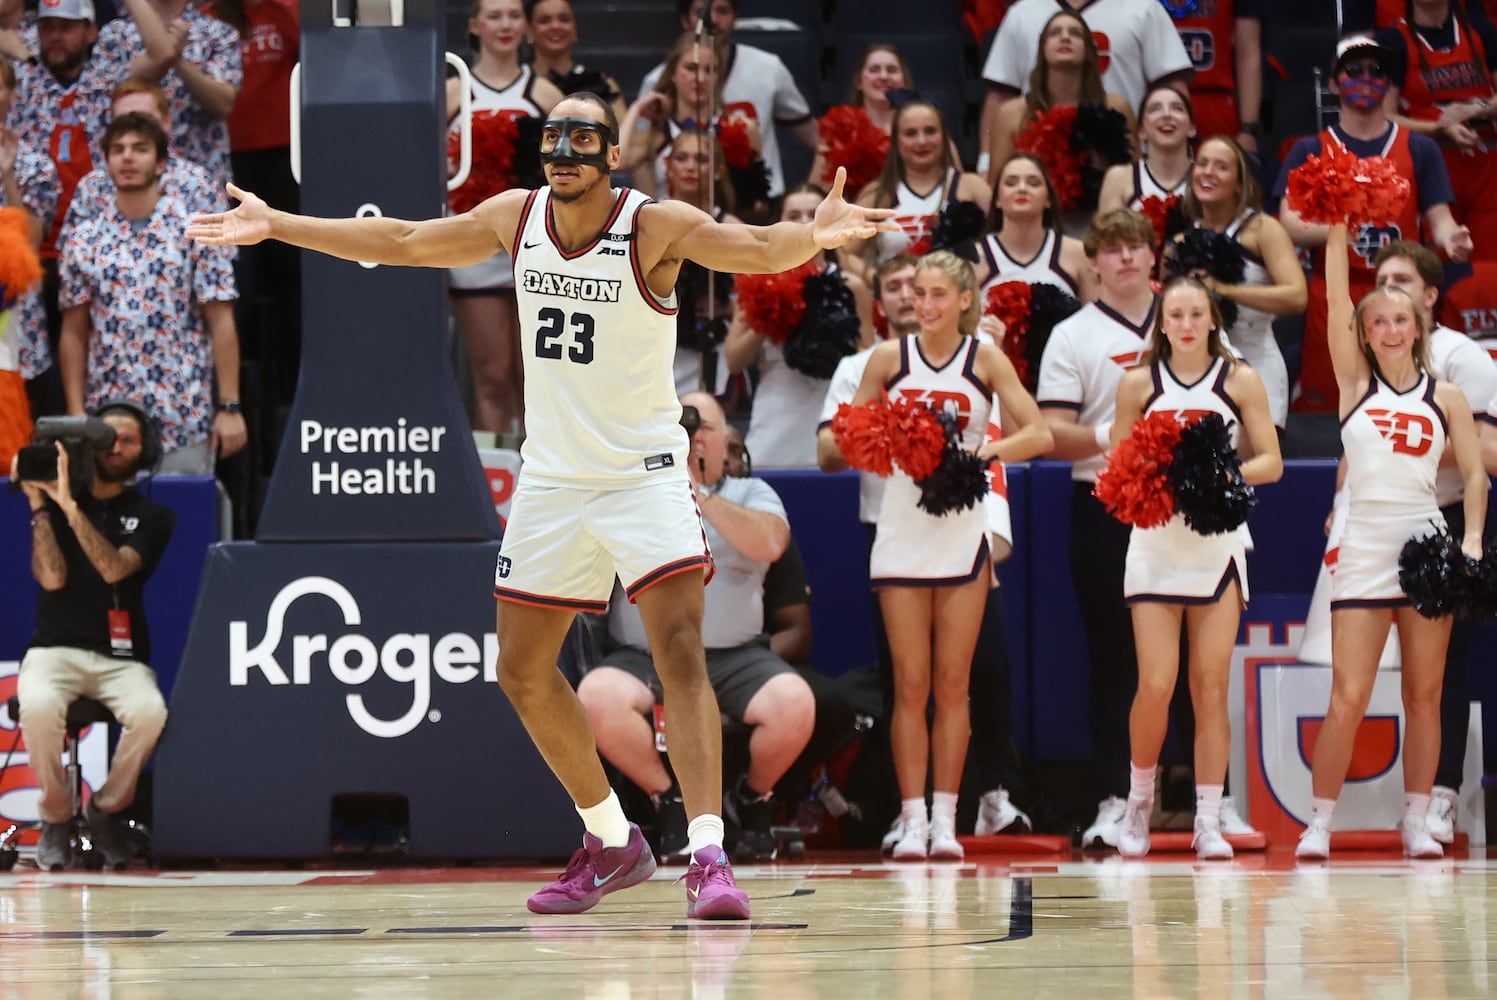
{"type": "Point", "coordinates": [269, 308]}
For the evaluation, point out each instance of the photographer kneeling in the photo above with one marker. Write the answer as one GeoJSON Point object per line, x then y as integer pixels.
{"type": "Point", "coordinates": [95, 541]}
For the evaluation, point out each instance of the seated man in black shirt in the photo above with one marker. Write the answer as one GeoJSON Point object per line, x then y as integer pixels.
{"type": "Point", "coordinates": [92, 554]}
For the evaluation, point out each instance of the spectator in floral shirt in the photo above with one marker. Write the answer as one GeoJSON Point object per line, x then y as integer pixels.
{"type": "Point", "coordinates": [183, 180]}
{"type": "Point", "coordinates": [195, 58]}
{"type": "Point", "coordinates": [60, 101]}
{"type": "Point", "coordinates": [131, 274]}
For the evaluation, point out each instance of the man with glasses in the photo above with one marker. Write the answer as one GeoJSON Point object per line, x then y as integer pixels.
{"type": "Point", "coordinates": [92, 551]}
{"type": "Point", "coordinates": [604, 489]}
{"type": "Point", "coordinates": [1359, 79]}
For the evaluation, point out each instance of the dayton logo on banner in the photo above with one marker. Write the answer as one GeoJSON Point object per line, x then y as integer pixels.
{"type": "Point", "coordinates": [355, 655]}
{"type": "Point", "coordinates": [18, 790]}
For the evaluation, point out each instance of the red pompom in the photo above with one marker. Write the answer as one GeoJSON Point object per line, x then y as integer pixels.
{"type": "Point", "coordinates": [1009, 302]}
{"type": "Point", "coordinates": [852, 141]}
{"type": "Point", "coordinates": [773, 304]}
{"type": "Point", "coordinates": [884, 432]}
{"type": "Point", "coordinates": [1340, 187]}
{"type": "Point", "coordinates": [1158, 210]}
{"type": "Point", "coordinates": [866, 436]}
{"type": "Point", "coordinates": [918, 438]}
{"type": "Point", "coordinates": [494, 135]}
{"type": "Point", "coordinates": [1135, 487]}
{"type": "Point", "coordinates": [1048, 136]}
{"type": "Point", "coordinates": [738, 148]}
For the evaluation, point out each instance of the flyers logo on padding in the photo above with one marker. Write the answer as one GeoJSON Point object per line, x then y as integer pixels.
{"type": "Point", "coordinates": [1408, 433]}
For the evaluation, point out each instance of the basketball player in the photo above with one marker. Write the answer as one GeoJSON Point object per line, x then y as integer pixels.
{"type": "Point", "coordinates": [604, 488]}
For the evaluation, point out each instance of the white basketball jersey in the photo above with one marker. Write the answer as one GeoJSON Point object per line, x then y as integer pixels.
{"type": "Point", "coordinates": [1145, 186]}
{"type": "Point", "coordinates": [1393, 442]}
{"type": "Point", "coordinates": [600, 397]}
{"type": "Point", "coordinates": [916, 215]}
{"type": "Point", "coordinates": [952, 387]}
{"type": "Point", "coordinates": [1189, 403]}
{"type": "Point", "coordinates": [1084, 361]}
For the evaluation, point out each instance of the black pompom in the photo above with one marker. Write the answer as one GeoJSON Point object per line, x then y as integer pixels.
{"type": "Point", "coordinates": [1102, 130]}
{"type": "Point", "coordinates": [698, 327]}
{"type": "Point", "coordinates": [1206, 478]}
{"type": "Point", "coordinates": [1216, 254]}
{"type": "Point", "coordinates": [527, 159]}
{"type": "Point", "coordinates": [750, 184]}
{"type": "Point", "coordinates": [829, 329]}
{"type": "Point", "coordinates": [591, 80]}
{"type": "Point", "coordinates": [959, 482]}
{"type": "Point", "coordinates": [1048, 305]}
{"type": "Point", "coordinates": [958, 228]}
{"type": "Point", "coordinates": [1438, 578]}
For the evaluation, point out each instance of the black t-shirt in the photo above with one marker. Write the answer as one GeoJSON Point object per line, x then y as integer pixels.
{"type": "Point", "coordinates": [785, 582]}
{"type": "Point", "coordinates": [78, 614]}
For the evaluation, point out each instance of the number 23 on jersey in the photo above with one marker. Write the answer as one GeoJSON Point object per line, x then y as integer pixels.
{"type": "Point", "coordinates": [556, 327]}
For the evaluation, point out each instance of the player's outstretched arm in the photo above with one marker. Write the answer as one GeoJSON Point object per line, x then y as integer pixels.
{"type": "Point", "coordinates": [448, 242]}
{"type": "Point", "coordinates": [742, 249]}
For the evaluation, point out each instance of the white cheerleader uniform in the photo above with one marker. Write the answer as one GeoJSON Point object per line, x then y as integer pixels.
{"type": "Point", "coordinates": [913, 548]}
{"type": "Point", "coordinates": [1172, 564]}
{"type": "Point", "coordinates": [1145, 186]}
{"type": "Point", "coordinates": [1393, 443]}
{"type": "Point", "coordinates": [498, 271]}
{"type": "Point", "coordinates": [1252, 335]}
{"type": "Point", "coordinates": [1041, 269]}
{"type": "Point", "coordinates": [916, 216]}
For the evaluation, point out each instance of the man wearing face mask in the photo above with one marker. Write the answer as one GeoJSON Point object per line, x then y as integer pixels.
{"type": "Point", "coordinates": [1359, 78]}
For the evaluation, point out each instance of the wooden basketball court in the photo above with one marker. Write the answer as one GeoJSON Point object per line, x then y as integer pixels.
{"type": "Point", "coordinates": [833, 926]}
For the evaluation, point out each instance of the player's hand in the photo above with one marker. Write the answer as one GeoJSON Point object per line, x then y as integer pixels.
{"type": "Point", "coordinates": [244, 225]}
{"type": "Point", "coordinates": [838, 221]}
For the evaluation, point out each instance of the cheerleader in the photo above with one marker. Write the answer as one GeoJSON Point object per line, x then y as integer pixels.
{"type": "Point", "coordinates": [1174, 576]}
{"type": "Point", "coordinates": [932, 573]}
{"type": "Point", "coordinates": [1223, 197]}
{"type": "Point", "coordinates": [483, 294]}
{"type": "Point", "coordinates": [1396, 421]}
{"type": "Point", "coordinates": [788, 402]}
{"type": "Point", "coordinates": [920, 178]}
{"type": "Point", "coordinates": [1027, 244]}
{"type": "Point", "coordinates": [1166, 125]}
{"type": "Point", "coordinates": [551, 30]}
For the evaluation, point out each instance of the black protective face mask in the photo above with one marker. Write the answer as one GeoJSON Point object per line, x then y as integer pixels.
{"type": "Point", "coordinates": [562, 149]}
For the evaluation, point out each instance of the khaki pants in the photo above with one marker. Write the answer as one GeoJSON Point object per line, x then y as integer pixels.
{"type": "Point", "coordinates": [51, 678]}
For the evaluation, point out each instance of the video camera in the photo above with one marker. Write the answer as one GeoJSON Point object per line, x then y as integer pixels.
{"type": "Point", "coordinates": [80, 436]}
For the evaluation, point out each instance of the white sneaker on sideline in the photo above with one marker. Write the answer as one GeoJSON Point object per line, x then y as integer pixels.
{"type": "Point", "coordinates": [896, 832]}
{"type": "Point", "coordinates": [996, 814]}
{"type": "Point", "coordinates": [1417, 843]}
{"type": "Point", "coordinates": [1104, 829]}
{"type": "Point", "coordinates": [1233, 825]}
{"type": "Point", "coordinates": [943, 843]}
{"type": "Point", "coordinates": [1208, 841]}
{"type": "Point", "coordinates": [1133, 832]}
{"type": "Point", "coordinates": [914, 843]}
{"type": "Point", "coordinates": [1444, 804]}
{"type": "Point", "coordinates": [1315, 842]}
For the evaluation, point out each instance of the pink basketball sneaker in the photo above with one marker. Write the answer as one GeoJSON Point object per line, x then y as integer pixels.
{"type": "Point", "coordinates": [594, 872]}
{"type": "Point", "coordinates": [711, 893]}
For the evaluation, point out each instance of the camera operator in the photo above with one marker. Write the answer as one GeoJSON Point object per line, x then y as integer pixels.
{"type": "Point", "coordinates": [92, 553]}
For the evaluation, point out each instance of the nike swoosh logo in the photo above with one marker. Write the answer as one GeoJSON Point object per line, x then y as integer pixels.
{"type": "Point", "coordinates": [598, 882]}
{"type": "Point", "coordinates": [531, 246]}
